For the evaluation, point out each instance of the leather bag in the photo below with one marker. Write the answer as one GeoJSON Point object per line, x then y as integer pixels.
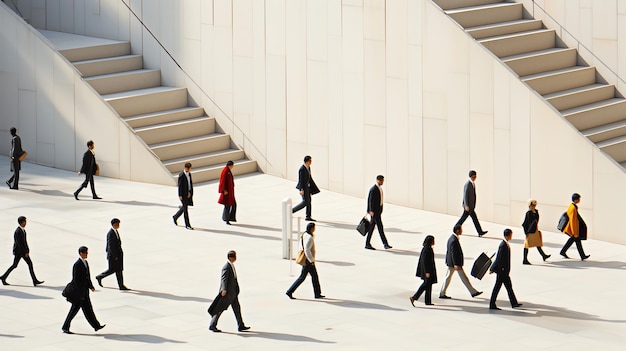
{"type": "Point", "coordinates": [23, 156]}
{"type": "Point", "coordinates": [363, 226]}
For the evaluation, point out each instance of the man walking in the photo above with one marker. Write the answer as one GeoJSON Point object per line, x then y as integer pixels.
{"type": "Point", "coordinates": [575, 228]}
{"type": "Point", "coordinates": [228, 295]}
{"type": "Point", "coordinates": [16, 164]}
{"type": "Point", "coordinates": [115, 256]}
{"type": "Point", "coordinates": [307, 187]}
{"type": "Point", "coordinates": [502, 267]}
{"type": "Point", "coordinates": [77, 292]}
{"type": "Point", "coordinates": [185, 195]}
{"type": "Point", "coordinates": [20, 251]}
{"type": "Point", "coordinates": [88, 169]}
{"type": "Point", "coordinates": [375, 210]}
{"type": "Point", "coordinates": [454, 261]}
{"type": "Point", "coordinates": [469, 203]}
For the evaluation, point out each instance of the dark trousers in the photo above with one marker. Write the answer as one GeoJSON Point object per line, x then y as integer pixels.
{"type": "Point", "coordinates": [230, 213]}
{"type": "Point", "coordinates": [118, 275]}
{"type": "Point", "coordinates": [184, 211]}
{"type": "Point", "coordinates": [376, 221]}
{"type": "Point", "coordinates": [16, 260]}
{"type": "Point", "coordinates": [308, 269]}
{"type": "Point", "coordinates": [88, 179]}
{"type": "Point", "coordinates": [472, 214]}
{"type": "Point", "coordinates": [579, 246]}
{"type": "Point", "coordinates": [506, 280]}
{"type": "Point", "coordinates": [236, 309]}
{"type": "Point", "coordinates": [15, 178]}
{"type": "Point", "coordinates": [427, 286]}
{"type": "Point", "coordinates": [306, 202]}
{"type": "Point", "coordinates": [85, 305]}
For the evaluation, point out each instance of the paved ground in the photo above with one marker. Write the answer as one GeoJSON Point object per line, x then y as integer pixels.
{"type": "Point", "coordinates": [174, 274]}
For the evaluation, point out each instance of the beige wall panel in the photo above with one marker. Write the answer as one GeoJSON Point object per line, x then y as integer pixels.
{"type": "Point", "coordinates": [397, 38]}
{"type": "Point", "coordinates": [435, 165]}
{"type": "Point", "coordinates": [608, 208]}
{"type": "Point", "coordinates": [374, 88]}
{"type": "Point", "coordinates": [398, 153]}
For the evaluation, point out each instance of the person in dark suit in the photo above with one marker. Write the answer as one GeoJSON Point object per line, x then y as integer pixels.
{"type": "Point", "coordinates": [88, 169]}
{"type": "Point", "coordinates": [115, 256]}
{"type": "Point", "coordinates": [502, 267]}
{"type": "Point", "coordinates": [575, 228]}
{"type": "Point", "coordinates": [20, 251]}
{"type": "Point", "coordinates": [307, 187]}
{"type": "Point", "coordinates": [469, 203]}
{"type": "Point", "coordinates": [227, 296]}
{"type": "Point", "coordinates": [375, 210]}
{"type": "Point", "coordinates": [16, 164]}
{"type": "Point", "coordinates": [226, 189]}
{"type": "Point", "coordinates": [77, 292]}
{"type": "Point", "coordinates": [427, 271]}
{"type": "Point", "coordinates": [454, 261]}
{"type": "Point", "coordinates": [185, 195]}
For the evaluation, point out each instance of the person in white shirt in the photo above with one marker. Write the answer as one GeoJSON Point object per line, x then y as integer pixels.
{"type": "Point", "coordinates": [502, 267]}
{"type": "Point", "coordinates": [307, 243]}
{"type": "Point", "coordinates": [375, 210]}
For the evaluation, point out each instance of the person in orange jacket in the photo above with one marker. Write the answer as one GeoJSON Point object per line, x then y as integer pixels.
{"type": "Point", "coordinates": [575, 228]}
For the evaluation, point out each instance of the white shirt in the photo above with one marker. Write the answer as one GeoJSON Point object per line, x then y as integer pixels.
{"type": "Point", "coordinates": [84, 261]}
{"type": "Point", "coordinates": [188, 180]}
{"type": "Point", "coordinates": [381, 193]}
{"type": "Point", "coordinates": [232, 265]}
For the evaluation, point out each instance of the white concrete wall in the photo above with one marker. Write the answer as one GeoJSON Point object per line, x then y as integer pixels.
{"type": "Point", "coordinates": [373, 87]}
{"type": "Point", "coordinates": [55, 112]}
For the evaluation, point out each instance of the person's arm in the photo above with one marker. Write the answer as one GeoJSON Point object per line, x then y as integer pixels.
{"type": "Point", "coordinates": [572, 213]}
{"type": "Point", "coordinates": [466, 193]}
{"type": "Point", "coordinates": [20, 240]}
{"type": "Point", "coordinates": [224, 279]}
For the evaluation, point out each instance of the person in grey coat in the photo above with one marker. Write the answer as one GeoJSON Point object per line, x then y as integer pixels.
{"type": "Point", "coordinates": [227, 296]}
{"type": "Point", "coordinates": [16, 164]}
{"type": "Point", "coordinates": [469, 203]}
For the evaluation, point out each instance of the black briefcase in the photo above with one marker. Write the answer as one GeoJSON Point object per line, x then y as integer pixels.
{"type": "Point", "coordinates": [363, 226]}
{"type": "Point", "coordinates": [481, 265]}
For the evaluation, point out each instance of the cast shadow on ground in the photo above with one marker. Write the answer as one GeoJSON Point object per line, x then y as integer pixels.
{"type": "Point", "coordinates": [10, 336]}
{"type": "Point", "coordinates": [280, 336]}
{"type": "Point", "coordinates": [355, 304]}
{"type": "Point", "coordinates": [48, 192]}
{"type": "Point", "coordinates": [242, 234]}
{"type": "Point", "coordinates": [259, 227]}
{"type": "Point", "coordinates": [139, 203]}
{"type": "Point", "coordinates": [550, 245]}
{"type": "Point", "coordinates": [349, 226]}
{"type": "Point", "coordinates": [337, 263]}
{"type": "Point", "coordinates": [575, 263]}
{"type": "Point", "coordinates": [23, 295]}
{"type": "Point", "coordinates": [143, 338]}
{"type": "Point", "coordinates": [162, 295]}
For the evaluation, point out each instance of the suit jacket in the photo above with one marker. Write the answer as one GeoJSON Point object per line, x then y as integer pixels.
{"type": "Point", "coordinates": [426, 264]}
{"type": "Point", "coordinates": [184, 188]}
{"type": "Point", "coordinates": [502, 263]}
{"type": "Point", "coordinates": [78, 288]}
{"type": "Point", "coordinates": [229, 283]}
{"type": "Point", "coordinates": [114, 250]}
{"type": "Point", "coordinates": [227, 183]}
{"type": "Point", "coordinates": [16, 147]}
{"type": "Point", "coordinates": [454, 253]}
{"type": "Point", "coordinates": [20, 245]}
{"type": "Point", "coordinates": [373, 200]}
{"type": "Point", "coordinates": [89, 163]}
{"type": "Point", "coordinates": [469, 195]}
{"type": "Point", "coordinates": [305, 181]}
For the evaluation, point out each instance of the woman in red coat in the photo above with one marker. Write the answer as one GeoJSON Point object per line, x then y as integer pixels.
{"type": "Point", "coordinates": [227, 193]}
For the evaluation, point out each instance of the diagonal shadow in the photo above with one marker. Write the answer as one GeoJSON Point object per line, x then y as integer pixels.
{"type": "Point", "coordinates": [280, 336]}
{"type": "Point", "coordinates": [23, 295]}
{"type": "Point", "coordinates": [139, 203]}
{"type": "Point", "coordinates": [167, 296]}
{"type": "Point", "coordinates": [576, 263]}
{"type": "Point", "coordinates": [143, 338]}
{"type": "Point", "coordinates": [242, 234]}
{"type": "Point", "coordinates": [47, 192]}
{"type": "Point", "coordinates": [11, 336]}
{"type": "Point", "coordinates": [545, 244]}
{"type": "Point", "coordinates": [259, 227]}
{"type": "Point", "coordinates": [402, 252]}
{"type": "Point", "coordinates": [356, 304]}
{"type": "Point", "coordinates": [337, 263]}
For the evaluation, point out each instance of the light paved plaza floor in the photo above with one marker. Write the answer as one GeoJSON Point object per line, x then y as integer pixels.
{"type": "Point", "coordinates": [174, 274]}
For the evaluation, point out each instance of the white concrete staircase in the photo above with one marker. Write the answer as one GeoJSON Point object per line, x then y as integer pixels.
{"type": "Point", "coordinates": [596, 109]}
{"type": "Point", "coordinates": [160, 115]}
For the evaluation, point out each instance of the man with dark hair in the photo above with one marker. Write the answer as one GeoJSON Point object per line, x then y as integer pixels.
{"type": "Point", "coordinates": [375, 210]}
{"type": "Point", "coordinates": [502, 267]}
{"type": "Point", "coordinates": [20, 251]}
{"type": "Point", "coordinates": [115, 256]}
{"type": "Point", "coordinates": [307, 187]}
{"type": "Point", "coordinates": [469, 203]}
{"type": "Point", "coordinates": [228, 295]}
{"type": "Point", "coordinates": [88, 169]}
{"type": "Point", "coordinates": [575, 228]}
{"type": "Point", "coordinates": [185, 195]}
{"type": "Point", "coordinates": [16, 164]}
{"type": "Point", "coordinates": [77, 292]}
{"type": "Point", "coordinates": [454, 261]}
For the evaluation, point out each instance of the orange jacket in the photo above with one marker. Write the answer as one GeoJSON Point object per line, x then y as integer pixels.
{"type": "Point", "coordinates": [572, 226]}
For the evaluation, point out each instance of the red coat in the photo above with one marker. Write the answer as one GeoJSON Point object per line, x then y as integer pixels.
{"type": "Point", "coordinates": [227, 183]}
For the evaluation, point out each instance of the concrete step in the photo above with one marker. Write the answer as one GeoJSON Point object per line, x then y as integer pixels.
{"type": "Point", "coordinates": [206, 159]}
{"type": "Point", "coordinates": [191, 146]}
{"type": "Point", "coordinates": [616, 148]}
{"type": "Point", "coordinates": [208, 173]}
{"type": "Point", "coordinates": [159, 117]}
{"type": "Point", "coordinates": [541, 61]}
{"type": "Point", "coordinates": [109, 65]}
{"type": "Point", "coordinates": [487, 14]}
{"type": "Point", "coordinates": [597, 114]}
{"type": "Point", "coordinates": [561, 79]}
{"type": "Point", "coordinates": [504, 28]}
{"type": "Point", "coordinates": [125, 81]}
{"type": "Point", "coordinates": [606, 132]}
{"type": "Point", "coordinates": [455, 4]}
{"type": "Point", "coordinates": [170, 131]}
{"type": "Point", "coordinates": [143, 101]}
{"type": "Point", "coordinates": [519, 43]}
{"type": "Point", "coordinates": [96, 51]}
{"type": "Point", "coordinates": [567, 99]}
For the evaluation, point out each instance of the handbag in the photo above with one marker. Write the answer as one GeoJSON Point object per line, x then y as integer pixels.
{"type": "Point", "coordinates": [563, 222]}
{"type": "Point", "coordinates": [301, 259]}
{"type": "Point", "coordinates": [23, 156]}
{"type": "Point", "coordinates": [97, 170]}
{"type": "Point", "coordinates": [534, 239]}
{"type": "Point", "coordinates": [363, 226]}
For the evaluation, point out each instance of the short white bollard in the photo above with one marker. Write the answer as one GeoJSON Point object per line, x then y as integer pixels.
{"type": "Point", "coordinates": [287, 228]}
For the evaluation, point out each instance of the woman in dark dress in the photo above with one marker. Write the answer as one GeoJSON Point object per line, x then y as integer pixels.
{"type": "Point", "coordinates": [531, 226]}
{"type": "Point", "coordinates": [427, 271]}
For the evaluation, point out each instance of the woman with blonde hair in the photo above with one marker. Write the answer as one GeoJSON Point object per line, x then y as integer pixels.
{"type": "Point", "coordinates": [533, 234]}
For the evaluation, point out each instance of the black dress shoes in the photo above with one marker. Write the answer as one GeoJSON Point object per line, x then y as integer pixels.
{"type": "Point", "coordinates": [444, 297]}
{"type": "Point", "coordinates": [483, 233]}
{"type": "Point", "coordinates": [477, 293]}
{"type": "Point", "coordinates": [175, 220]}
{"type": "Point", "coordinates": [388, 247]}
{"type": "Point", "coordinates": [124, 288]}
{"type": "Point", "coordinates": [97, 197]}
{"type": "Point", "coordinates": [37, 282]}
{"type": "Point", "coordinates": [228, 222]}
{"type": "Point", "coordinates": [430, 304]}
{"type": "Point", "coordinates": [8, 184]}
{"type": "Point", "coordinates": [4, 281]}
{"type": "Point", "coordinates": [585, 257]}
{"type": "Point", "coordinates": [215, 330]}
{"type": "Point", "coordinates": [564, 254]}
{"type": "Point", "coordinates": [243, 328]}
{"type": "Point", "coordinates": [546, 257]}
{"type": "Point", "coordinates": [494, 308]}
{"type": "Point", "coordinates": [99, 279]}
{"type": "Point", "coordinates": [320, 297]}
{"type": "Point", "coordinates": [412, 300]}
{"type": "Point", "coordinates": [310, 219]}
{"type": "Point", "coordinates": [290, 295]}
{"type": "Point", "coordinates": [516, 305]}
{"type": "Point", "coordinates": [67, 331]}
{"type": "Point", "coordinates": [369, 247]}
{"type": "Point", "coordinates": [76, 196]}
{"type": "Point", "coordinates": [100, 327]}
{"type": "Point", "coordinates": [189, 227]}
{"type": "Point", "coordinates": [526, 262]}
